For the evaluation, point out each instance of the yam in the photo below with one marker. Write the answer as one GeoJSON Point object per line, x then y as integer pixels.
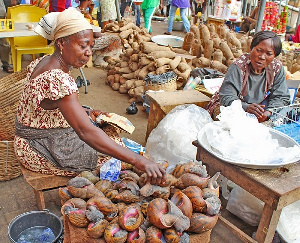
{"type": "Point", "coordinates": [209, 49]}
{"type": "Point", "coordinates": [138, 83]}
{"type": "Point", "coordinates": [126, 33]}
{"type": "Point", "coordinates": [218, 66]}
{"type": "Point", "coordinates": [133, 66]}
{"type": "Point", "coordinates": [129, 52]}
{"type": "Point", "coordinates": [194, 29]}
{"type": "Point", "coordinates": [124, 64]}
{"type": "Point", "coordinates": [188, 41]}
{"type": "Point", "coordinates": [110, 80]}
{"type": "Point", "coordinates": [148, 47]}
{"type": "Point", "coordinates": [222, 31]}
{"type": "Point", "coordinates": [211, 28]}
{"type": "Point", "coordinates": [226, 50]}
{"type": "Point", "coordinates": [204, 32]}
{"type": "Point", "coordinates": [125, 70]}
{"type": "Point", "coordinates": [229, 61]}
{"type": "Point", "coordinates": [144, 61]}
{"type": "Point", "coordinates": [117, 78]}
{"type": "Point", "coordinates": [112, 27]}
{"type": "Point", "coordinates": [122, 89]}
{"type": "Point", "coordinates": [144, 71]}
{"type": "Point", "coordinates": [158, 54]}
{"type": "Point", "coordinates": [162, 69]}
{"type": "Point", "coordinates": [235, 42]}
{"type": "Point", "coordinates": [243, 44]}
{"type": "Point", "coordinates": [216, 42]}
{"type": "Point", "coordinates": [196, 49]}
{"type": "Point", "coordinates": [162, 61]}
{"type": "Point", "coordinates": [174, 63]}
{"type": "Point", "coordinates": [115, 86]}
{"type": "Point", "coordinates": [180, 51]}
{"type": "Point", "coordinates": [129, 84]}
{"type": "Point", "coordinates": [134, 58]}
{"type": "Point", "coordinates": [249, 40]}
{"type": "Point", "coordinates": [130, 75]}
{"type": "Point", "coordinates": [125, 21]}
{"type": "Point", "coordinates": [218, 55]}
{"type": "Point", "coordinates": [237, 53]}
{"type": "Point", "coordinates": [128, 26]}
{"type": "Point", "coordinates": [136, 47]}
{"type": "Point", "coordinates": [123, 80]}
{"type": "Point", "coordinates": [183, 66]}
{"type": "Point", "coordinates": [204, 62]}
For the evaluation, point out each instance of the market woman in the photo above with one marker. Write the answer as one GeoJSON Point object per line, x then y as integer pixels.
{"type": "Point", "coordinates": [54, 134]}
{"type": "Point", "coordinates": [257, 79]}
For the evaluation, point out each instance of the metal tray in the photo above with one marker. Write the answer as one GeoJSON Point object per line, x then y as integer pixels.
{"type": "Point", "coordinates": [283, 141]}
{"type": "Point", "coordinates": [168, 40]}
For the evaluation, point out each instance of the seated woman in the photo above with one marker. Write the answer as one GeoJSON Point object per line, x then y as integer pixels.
{"type": "Point", "coordinates": [54, 134]}
{"type": "Point", "coordinates": [257, 79]}
{"type": "Point", "coordinates": [294, 38]}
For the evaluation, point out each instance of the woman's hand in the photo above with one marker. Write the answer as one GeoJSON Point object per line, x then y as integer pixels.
{"type": "Point", "coordinates": [265, 116]}
{"type": "Point", "coordinates": [155, 172]}
{"type": "Point", "coordinates": [95, 113]}
{"type": "Point", "coordinates": [256, 109]}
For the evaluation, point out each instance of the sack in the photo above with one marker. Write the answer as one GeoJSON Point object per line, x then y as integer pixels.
{"type": "Point", "coordinates": [206, 73]}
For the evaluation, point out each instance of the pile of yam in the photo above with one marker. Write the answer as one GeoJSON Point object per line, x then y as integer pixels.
{"type": "Point", "coordinates": [140, 56]}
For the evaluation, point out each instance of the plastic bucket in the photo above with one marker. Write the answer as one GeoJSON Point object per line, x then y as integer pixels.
{"type": "Point", "coordinates": [34, 219]}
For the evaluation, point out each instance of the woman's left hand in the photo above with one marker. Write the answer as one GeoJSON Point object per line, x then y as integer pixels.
{"type": "Point", "coordinates": [264, 117]}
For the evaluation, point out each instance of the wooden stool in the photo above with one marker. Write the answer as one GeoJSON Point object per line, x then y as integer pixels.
{"type": "Point", "coordinates": [42, 182]}
{"type": "Point", "coordinates": [163, 102]}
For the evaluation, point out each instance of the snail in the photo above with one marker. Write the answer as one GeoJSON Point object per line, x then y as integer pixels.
{"type": "Point", "coordinates": [201, 222]}
{"type": "Point", "coordinates": [111, 194]}
{"type": "Point", "coordinates": [64, 194]}
{"type": "Point", "coordinates": [165, 214]}
{"type": "Point", "coordinates": [127, 197]}
{"type": "Point", "coordinates": [171, 235]}
{"type": "Point", "coordinates": [104, 185]}
{"type": "Point", "coordinates": [213, 205]}
{"type": "Point", "coordinates": [189, 179]}
{"type": "Point", "coordinates": [194, 193]}
{"type": "Point", "coordinates": [104, 205]}
{"type": "Point", "coordinates": [90, 176]}
{"type": "Point", "coordinates": [82, 188]}
{"type": "Point", "coordinates": [212, 188]}
{"type": "Point", "coordinates": [136, 236]}
{"type": "Point", "coordinates": [126, 166]}
{"type": "Point", "coordinates": [115, 234]}
{"type": "Point", "coordinates": [127, 183]}
{"type": "Point", "coordinates": [96, 230]}
{"type": "Point", "coordinates": [155, 191]}
{"type": "Point", "coordinates": [183, 203]}
{"type": "Point", "coordinates": [170, 180]}
{"type": "Point", "coordinates": [190, 167]}
{"type": "Point", "coordinates": [130, 218]}
{"type": "Point", "coordinates": [129, 173]}
{"type": "Point", "coordinates": [154, 235]}
{"type": "Point", "coordinates": [75, 208]}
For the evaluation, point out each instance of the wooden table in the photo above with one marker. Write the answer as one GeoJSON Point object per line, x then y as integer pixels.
{"type": "Point", "coordinates": [163, 102]}
{"type": "Point", "coordinates": [277, 188]}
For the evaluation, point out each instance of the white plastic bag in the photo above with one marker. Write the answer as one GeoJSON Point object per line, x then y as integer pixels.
{"type": "Point", "coordinates": [110, 170]}
{"type": "Point", "coordinates": [245, 206]}
{"type": "Point", "coordinates": [172, 139]}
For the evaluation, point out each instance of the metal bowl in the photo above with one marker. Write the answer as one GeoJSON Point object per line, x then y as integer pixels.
{"type": "Point", "coordinates": [168, 40]}
{"type": "Point", "coordinates": [283, 141]}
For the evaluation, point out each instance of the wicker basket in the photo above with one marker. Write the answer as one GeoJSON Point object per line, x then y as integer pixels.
{"type": "Point", "coordinates": [11, 87]}
{"type": "Point", "coordinates": [9, 165]}
{"type": "Point", "coordinates": [166, 85]}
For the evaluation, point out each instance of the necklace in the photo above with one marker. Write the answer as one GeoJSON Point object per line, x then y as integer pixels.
{"type": "Point", "coordinates": [65, 67]}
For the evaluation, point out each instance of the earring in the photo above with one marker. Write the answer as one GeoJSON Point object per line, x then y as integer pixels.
{"type": "Point", "coordinates": [61, 51]}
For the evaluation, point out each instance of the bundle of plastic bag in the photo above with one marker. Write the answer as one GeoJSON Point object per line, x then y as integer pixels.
{"type": "Point", "coordinates": [172, 139]}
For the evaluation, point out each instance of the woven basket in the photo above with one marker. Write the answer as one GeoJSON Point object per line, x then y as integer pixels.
{"type": "Point", "coordinates": [9, 165]}
{"type": "Point", "coordinates": [169, 85]}
{"type": "Point", "coordinates": [11, 87]}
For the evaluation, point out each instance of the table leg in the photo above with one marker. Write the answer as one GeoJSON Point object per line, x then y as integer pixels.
{"type": "Point", "coordinates": [13, 53]}
{"type": "Point", "coordinates": [267, 225]}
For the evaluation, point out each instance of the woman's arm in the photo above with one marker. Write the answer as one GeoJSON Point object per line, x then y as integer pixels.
{"type": "Point", "coordinates": [97, 139]}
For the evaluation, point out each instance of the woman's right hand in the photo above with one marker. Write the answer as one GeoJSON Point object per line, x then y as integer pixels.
{"type": "Point", "coordinates": [155, 172]}
{"type": "Point", "coordinates": [256, 109]}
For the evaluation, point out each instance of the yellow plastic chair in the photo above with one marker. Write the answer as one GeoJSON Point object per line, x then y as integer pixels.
{"type": "Point", "coordinates": [29, 44]}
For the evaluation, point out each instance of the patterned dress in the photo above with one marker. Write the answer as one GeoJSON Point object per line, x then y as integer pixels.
{"type": "Point", "coordinates": [108, 10]}
{"type": "Point", "coordinates": [53, 85]}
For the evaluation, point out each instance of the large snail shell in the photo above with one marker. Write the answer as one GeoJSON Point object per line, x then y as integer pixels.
{"type": "Point", "coordinates": [181, 169]}
{"type": "Point", "coordinates": [213, 205]}
{"type": "Point", "coordinates": [105, 205]}
{"type": "Point", "coordinates": [90, 176]}
{"type": "Point", "coordinates": [194, 193]}
{"type": "Point", "coordinates": [120, 206]}
{"type": "Point", "coordinates": [183, 203]}
{"type": "Point", "coordinates": [93, 214]}
{"type": "Point", "coordinates": [189, 179]}
{"type": "Point", "coordinates": [104, 185]}
{"type": "Point", "coordinates": [111, 194]}
{"type": "Point", "coordinates": [129, 173]}
{"type": "Point", "coordinates": [171, 236]}
{"type": "Point", "coordinates": [127, 197]}
{"type": "Point", "coordinates": [127, 183]}
{"type": "Point", "coordinates": [176, 218]}
{"type": "Point", "coordinates": [212, 187]}
{"type": "Point", "coordinates": [73, 204]}
{"type": "Point", "coordinates": [78, 218]}
{"type": "Point", "coordinates": [84, 192]}
{"type": "Point", "coordinates": [126, 166]}
{"type": "Point", "coordinates": [154, 235]}
{"type": "Point", "coordinates": [96, 230]}
{"type": "Point", "coordinates": [163, 163]}
{"type": "Point", "coordinates": [130, 218]}
{"type": "Point", "coordinates": [79, 182]}
{"type": "Point", "coordinates": [201, 222]}
{"type": "Point", "coordinates": [136, 236]}
{"type": "Point", "coordinates": [144, 207]}
{"type": "Point", "coordinates": [155, 191]}
{"type": "Point", "coordinates": [115, 234]}
{"type": "Point", "coordinates": [146, 224]}
{"type": "Point", "coordinates": [64, 194]}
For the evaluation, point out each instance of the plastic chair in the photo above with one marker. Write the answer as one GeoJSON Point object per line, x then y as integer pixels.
{"type": "Point", "coordinates": [31, 44]}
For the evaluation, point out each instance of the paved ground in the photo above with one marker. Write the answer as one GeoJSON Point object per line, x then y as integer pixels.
{"type": "Point", "coordinates": [17, 196]}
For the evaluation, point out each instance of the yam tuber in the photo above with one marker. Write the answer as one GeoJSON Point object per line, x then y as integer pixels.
{"type": "Point", "coordinates": [196, 49]}
{"type": "Point", "coordinates": [128, 26]}
{"type": "Point", "coordinates": [222, 31]}
{"type": "Point", "coordinates": [125, 70]}
{"type": "Point", "coordinates": [122, 89]}
{"type": "Point", "coordinates": [115, 86]}
{"type": "Point", "coordinates": [226, 50]}
{"type": "Point", "coordinates": [162, 61]}
{"type": "Point", "coordinates": [124, 64]}
{"type": "Point", "coordinates": [208, 50]}
{"type": "Point", "coordinates": [174, 63]}
{"type": "Point", "coordinates": [211, 28]}
{"type": "Point", "coordinates": [134, 58]}
{"type": "Point", "coordinates": [125, 34]}
{"type": "Point", "coordinates": [144, 61]}
{"type": "Point", "coordinates": [205, 34]}
{"type": "Point", "coordinates": [158, 54]}
{"type": "Point", "coordinates": [148, 47]}
{"type": "Point", "coordinates": [129, 84]}
{"type": "Point", "coordinates": [162, 69]}
{"type": "Point", "coordinates": [218, 55]}
{"type": "Point", "coordinates": [194, 29]}
{"type": "Point", "coordinates": [218, 66]}
{"type": "Point", "coordinates": [133, 66]}
{"type": "Point", "coordinates": [188, 41]}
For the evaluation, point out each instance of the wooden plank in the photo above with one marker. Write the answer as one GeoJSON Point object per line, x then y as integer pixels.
{"type": "Point", "coordinates": [236, 231]}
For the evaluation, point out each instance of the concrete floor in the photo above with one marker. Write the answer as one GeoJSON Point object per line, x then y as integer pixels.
{"type": "Point", "coordinates": [17, 196]}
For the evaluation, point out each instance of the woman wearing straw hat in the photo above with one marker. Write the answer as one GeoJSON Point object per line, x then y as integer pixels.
{"type": "Point", "coordinates": [54, 134]}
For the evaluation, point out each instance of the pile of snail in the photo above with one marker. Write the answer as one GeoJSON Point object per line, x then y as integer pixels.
{"type": "Point", "coordinates": [132, 210]}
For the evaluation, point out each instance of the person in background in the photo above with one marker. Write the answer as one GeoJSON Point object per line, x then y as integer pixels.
{"type": "Point", "coordinates": [124, 5]}
{"type": "Point", "coordinates": [166, 8]}
{"type": "Point", "coordinates": [137, 14]}
{"type": "Point", "coordinates": [183, 5]}
{"type": "Point", "coordinates": [257, 79]}
{"type": "Point", "coordinates": [294, 38]}
{"type": "Point", "coordinates": [198, 6]}
{"type": "Point", "coordinates": [5, 54]}
{"type": "Point", "coordinates": [249, 23]}
{"type": "Point", "coordinates": [54, 133]}
{"type": "Point", "coordinates": [108, 11]}
{"type": "Point", "coordinates": [41, 4]}
{"type": "Point", "coordinates": [86, 8]}
{"type": "Point", "coordinates": [59, 5]}
{"type": "Point", "coordinates": [148, 7]}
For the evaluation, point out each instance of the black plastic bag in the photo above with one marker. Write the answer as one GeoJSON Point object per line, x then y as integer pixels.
{"type": "Point", "coordinates": [206, 73]}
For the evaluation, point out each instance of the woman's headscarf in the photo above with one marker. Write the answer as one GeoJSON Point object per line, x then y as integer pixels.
{"type": "Point", "coordinates": [61, 24]}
